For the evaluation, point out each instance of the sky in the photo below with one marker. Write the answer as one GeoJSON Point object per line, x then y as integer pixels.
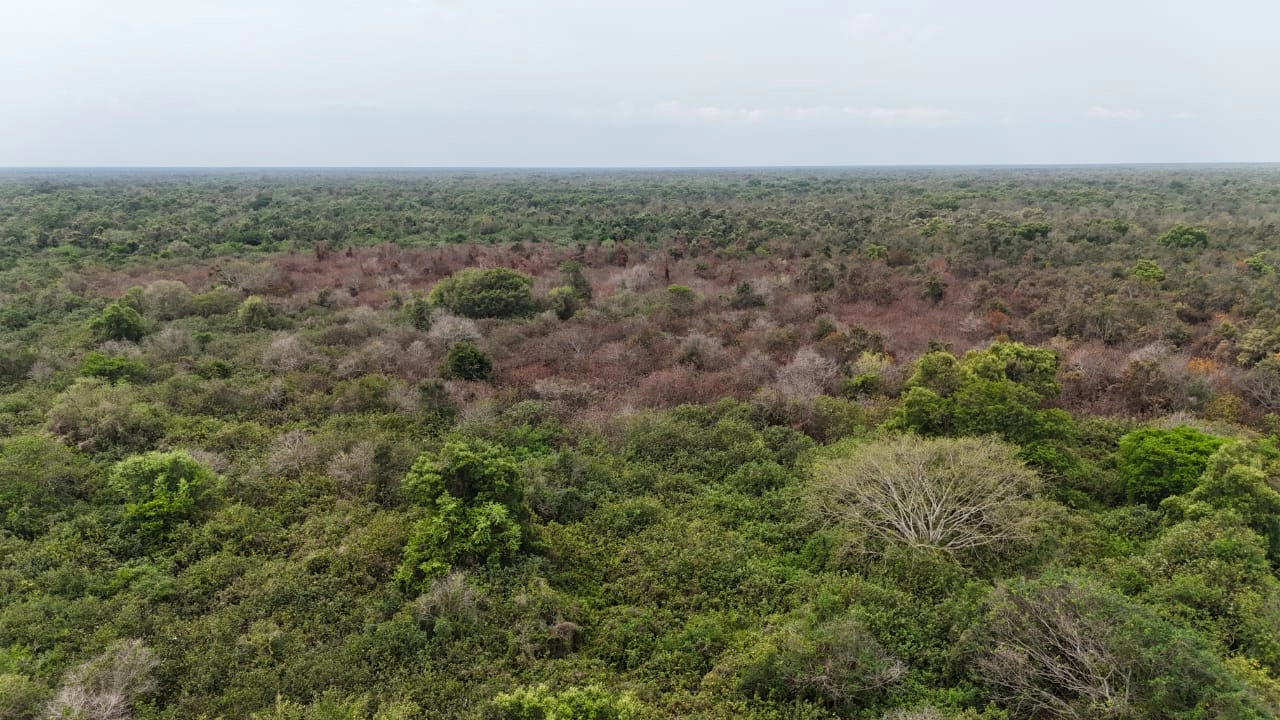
{"type": "Point", "coordinates": [643, 83]}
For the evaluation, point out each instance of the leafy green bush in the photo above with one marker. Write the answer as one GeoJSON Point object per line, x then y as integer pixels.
{"type": "Point", "coordinates": [1147, 270]}
{"type": "Point", "coordinates": [711, 440]}
{"type": "Point", "coordinates": [832, 661]}
{"type": "Point", "coordinates": [1211, 573]}
{"type": "Point", "coordinates": [220, 300]}
{"type": "Point", "coordinates": [161, 489]}
{"type": "Point", "coordinates": [1158, 463]}
{"type": "Point", "coordinates": [564, 301]}
{"type": "Point", "coordinates": [475, 504]}
{"type": "Point", "coordinates": [485, 293]}
{"type": "Point", "coordinates": [112, 368]}
{"type": "Point", "coordinates": [21, 698]}
{"type": "Point", "coordinates": [15, 362]}
{"type": "Point", "coordinates": [465, 361]}
{"type": "Point", "coordinates": [998, 390]}
{"type": "Point", "coordinates": [254, 313]}
{"type": "Point", "coordinates": [1234, 480]}
{"type": "Point", "coordinates": [1182, 235]}
{"type": "Point", "coordinates": [118, 322]}
{"type": "Point", "coordinates": [418, 312]}
{"type": "Point", "coordinates": [38, 478]}
{"type": "Point", "coordinates": [591, 702]}
{"type": "Point", "coordinates": [573, 274]}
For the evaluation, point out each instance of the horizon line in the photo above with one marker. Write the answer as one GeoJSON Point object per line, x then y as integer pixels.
{"type": "Point", "coordinates": [629, 168]}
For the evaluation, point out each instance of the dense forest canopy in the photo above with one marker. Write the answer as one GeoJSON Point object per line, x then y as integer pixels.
{"type": "Point", "coordinates": [896, 443]}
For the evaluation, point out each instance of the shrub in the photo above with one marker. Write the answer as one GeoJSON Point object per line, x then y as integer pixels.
{"type": "Point", "coordinates": [94, 413]}
{"type": "Point", "coordinates": [1182, 235]}
{"type": "Point", "coordinates": [160, 489]}
{"type": "Point", "coordinates": [817, 275]}
{"type": "Point", "coordinates": [286, 353]}
{"type": "Point", "coordinates": [366, 393]}
{"type": "Point", "coordinates": [485, 293]}
{"type": "Point", "coordinates": [574, 276]}
{"type": "Point", "coordinates": [564, 301]}
{"type": "Point", "coordinates": [254, 313]}
{"type": "Point", "coordinates": [434, 404]}
{"type": "Point", "coordinates": [933, 289]}
{"type": "Point", "coordinates": [118, 322]}
{"type": "Point", "coordinates": [418, 312]}
{"type": "Point", "coordinates": [21, 698]}
{"type": "Point", "coordinates": [680, 299]}
{"type": "Point", "coordinates": [112, 368]}
{"type": "Point", "coordinates": [352, 470]}
{"type": "Point", "coordinates": [218, 301]}
{"type": "Point", "coordinates": [575, 703]}
{"type": "Point", "coordinates": [746, 297]}
{"type": "Point", "coordinates": [1233, 480]}
{"type": "Point", "coordinates": [465, 361]}
{"type": "Point", "coordinates": [1212, 573]}
{"type": "Point", "coordinates": [1147, 271]}
{"type": "Point", "coordinates": [449, 329]}
{"type": "Point", "coordinates": [15, 362]}
{"type": "Point", "coordinates": [167, 299]}
{"type": "Point", "coordinates": [170, 344]}
{"type": "Point", "coordinates": [475, 502]}
{"type": "Point", "coordinates": [292, 453]}
{"type": "Point", "coordinates": [38, 478]}
{"type": "Point", "coordinates": [998, 390]}
{"type": "Point", "coordinates": [636, 278]}
{"type": "Point", "coordinates": [1158, 463]}
{"type": "Point", "coordinates": [834, 662]}
{"type": "Point", "coordinates": [806, 376]}
{"type": "Point", "coordinates": [448, 605]}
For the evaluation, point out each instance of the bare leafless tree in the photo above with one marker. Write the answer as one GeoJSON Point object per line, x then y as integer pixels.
{"type": "Point", "coordinates": [1049, 655]}
{"type": "Point", "coordinates": [105, 687]}
{"type": "Point", "coordinates": [942, 493]}
{"type": "Point", "coordinates": [1262, 385]}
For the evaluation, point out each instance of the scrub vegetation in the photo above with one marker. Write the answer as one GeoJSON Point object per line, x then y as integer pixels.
{"type": "Point", "coordinates": [761, 445]}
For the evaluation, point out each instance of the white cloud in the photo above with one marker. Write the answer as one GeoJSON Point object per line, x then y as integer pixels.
{"type": "Point", "coordinates": [1098, 112]}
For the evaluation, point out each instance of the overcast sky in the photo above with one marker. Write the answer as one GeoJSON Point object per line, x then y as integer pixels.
{"type": "Point", "coordinates": [637, 83]}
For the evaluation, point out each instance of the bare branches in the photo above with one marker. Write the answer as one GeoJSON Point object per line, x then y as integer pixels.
{"type": "Point", "coordinates": [105, 687]}
{"type": "Point", "coordinates": [1050, 655]}
{"type": "Point", "coordinates": [946, 494]}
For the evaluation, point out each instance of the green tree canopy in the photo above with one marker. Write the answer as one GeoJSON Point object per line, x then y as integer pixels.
{"type": "Point", "coordinates": [998, 390]}
{"type": "Point", "coordinates": [485, 293]}
{"type": "Point", "coordinates": [1182, 235]}
{"type": "Point", "coordinates": [118, 322]}
{"type": "Point", "coordinates": [1158, 463]}
{"type": "Point", "coordinates": [161, 489]}
{"type": "Point", "coordinates": [474, 502]}
{"type": "Point", "coordinates": [466, 362]}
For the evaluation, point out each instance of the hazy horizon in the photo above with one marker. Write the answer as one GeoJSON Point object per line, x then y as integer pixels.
{"type": "Point", "coordinates": [629, 85]}
{"type": "Point", "coordinates": [12, 169]}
